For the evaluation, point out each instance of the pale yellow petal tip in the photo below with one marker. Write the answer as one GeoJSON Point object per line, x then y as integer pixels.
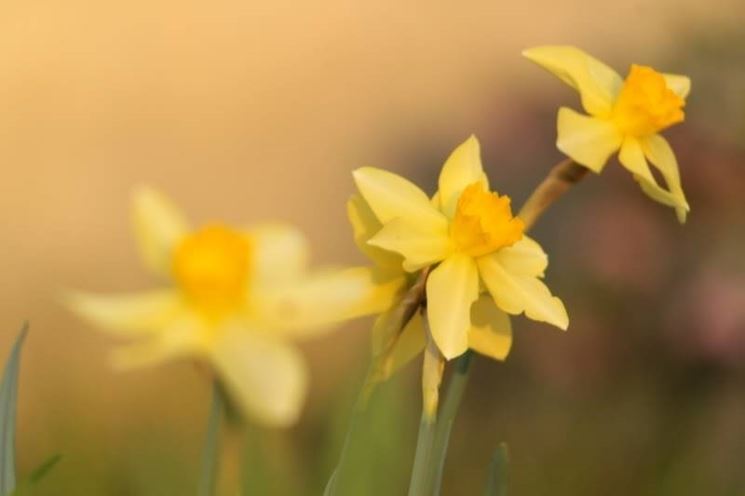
{"type": "Point", "coordinates": [561, 319]}
{"type": "Point", "coordinates": [535, 54]}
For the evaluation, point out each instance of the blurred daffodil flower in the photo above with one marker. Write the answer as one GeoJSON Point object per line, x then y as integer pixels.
{"type": "Point", "coordinates": [483, 267]}
{"type": "Point", "coordinates": [235, 298]}
{"type": "Point", "coordinates": [625, 116]}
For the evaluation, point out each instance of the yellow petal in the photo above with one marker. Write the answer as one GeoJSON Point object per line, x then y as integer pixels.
{"type": "Point", "coordinates": [432, 369]}
{"type": "Point", "coordinates": [158, 226]}
{"type": "Point", "coordinates": [365, 225]}
{"type": "Point", "coordinates": [632, 158]}
{"type": "Point", "coordinates": [451, 290]}
{"type": "Point", "coordinates": [526, 257]}
{"type": "Point", "coordinates": [660, 154]}
{"type": "Point", "coordinates": [461, 169]}
{"type": "Point", "coordinates": [491, 330]}
{"type": "Point", "coordinates": [589, 141]}
{"type": "Point", "coordinates": [310, 305]}
{"type": "Point", "coordinates": [420, 244]}
{"type": "Point", "coordinates": [598, 85]}
{"type": "Point", "coordinates": [408, 344]}
{"type": "Point", "coordinates": [391, 196]}
{"type": "Point", "coordinates": [680, 85]}
{"type": "Point", "coordinates": [279, 253]}
{"type": "Point", "coordinates": [267, 378]}
{"type": "Point", "coordinates": [127, 314]}
{"type": "Point", "coordinates": [186, 336]}
{"type": "Point", "coordinates": [515, 293]}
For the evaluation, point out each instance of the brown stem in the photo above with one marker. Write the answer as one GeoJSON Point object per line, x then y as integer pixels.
{"type": "Point", "coordinates": [411, 302]}
{"type": "Point", "coordinates": [563, 176]}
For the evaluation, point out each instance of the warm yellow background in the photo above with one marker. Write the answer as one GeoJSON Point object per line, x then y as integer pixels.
{"type": "Point", "coordinates": [242, 111]}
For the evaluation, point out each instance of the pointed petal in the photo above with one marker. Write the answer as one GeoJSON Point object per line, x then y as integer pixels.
{"type": "Point", "coordinates": [310, 306]}
{"type": "Point", "coordinates": [632, 158]}
{"type": "Point", "coordinates": [127, 314]}
{"type": "Point", "coordinates": [491, 330]}
{"type": "Point", "coordinates": [433, 367]}
{"type": "Point", "coordinates": [589, 141]}
{"type": "Point", "coordinates": [680, 85]}
{"type": "Point", "coordinates": [461, 169]}
{"type": "Point", "coordinates": [158, 227]}
{"type": "Point", "coordinates": [598, 85]}
{"type": "Point", "coordinates": [420, 244]}
{"type": "Point", "coordinates": [451, 290]}
{"type": "Point", "coordinates": [365, 225]}
{"type": "Point", "coordinates": [515, 293]}
{"type": "Point", "coordinates": [391, 196]}
{"type": "Point", "coordinates": [267, 378]}
{"type": "Point", "coordinates": [185, 336]}
{"type": "Point", "coordinates": [660, 154]}
{"type": "Point", "coordinates": [279, 252]}
{"type": "Point", "coordinates": [526, 257]}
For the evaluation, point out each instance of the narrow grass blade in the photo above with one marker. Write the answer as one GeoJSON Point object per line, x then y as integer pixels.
{"type": "Point", "coordinates": [211, 450]}
{"type": "Point", "coordinates": [8, 400]}
{"type": "Point", "coordinates": [37, 475]}
{"type": "Point", "coordinates": [496, 484]}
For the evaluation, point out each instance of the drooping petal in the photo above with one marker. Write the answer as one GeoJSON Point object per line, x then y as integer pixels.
{"type": "Point", "coordinates": [526, 257]}
{"type": "Point", "coordinates": [491, 331]}
{"type": "Point", "coordinates": [680, 85]}
{"type": "Point", "coordinates": [309, 306]}
{"type": "Point", "coordinates": [265, 377]}
{"type": "Point", "coordinates": [589, 141]}
{"type": "Point", "coordinates": [365, 225]}
{"type": "Point", "coordinates": [407, 345]}
{"type": "Point", "coordinates": [391, 196]}
{"type": "Point", "coordinates": [660, 154]}
{"type": "Point", "coordinates": [158, 226]}
{"type": "Point", "coordinates": [420, 244]}
{"type": "Point", "coordinates": [461, 169]}
{"type": "Point", "coordinates": [451, 290]}
{"type": "Point", "coordinates": [279, 253]}
{"type": "Point", "coordinates": [128, 314]}
{"type": "Point", "coordinates": [598, 85]}
{"type": "Point", "coordinates": [632, 158]}
{"type": "Point", "coordinates": [515, 293]}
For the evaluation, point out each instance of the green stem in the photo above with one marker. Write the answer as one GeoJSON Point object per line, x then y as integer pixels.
{"type": "Point", "coordinates": [211, 450]}
{"type": "Point", "coordinates": [450, 406]}
{"type": "Point", "coordinates": [418, 484]}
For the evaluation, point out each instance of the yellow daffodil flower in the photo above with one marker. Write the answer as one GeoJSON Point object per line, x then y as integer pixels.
{"type": "Point", "coordinates": [625, 116]}
{"type": "Point", "coordinates": [235, 299]}
{"type": "Point", "coordinates": [485, 267]}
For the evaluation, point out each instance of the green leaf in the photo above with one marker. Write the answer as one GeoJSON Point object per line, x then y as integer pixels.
{"type": "Point", "coordinates": [37, 475]}
{"type": "Point", "coordinates": [496, 485]}
{"type": "Point", "coordinates": [8, 400]}
{"type": "Point", "coordinates": [42, 470]}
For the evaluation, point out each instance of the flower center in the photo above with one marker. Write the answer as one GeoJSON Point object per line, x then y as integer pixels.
{"type": "Point", "coordinates": [483, 222]}
{"type": "Point", "coordinates": [645, 104]}
{"type": "Point", "coordinates": [212, 266]}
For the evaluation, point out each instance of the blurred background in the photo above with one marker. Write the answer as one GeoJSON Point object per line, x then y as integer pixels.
{"type": "Point", "coordinates": [248, 111]}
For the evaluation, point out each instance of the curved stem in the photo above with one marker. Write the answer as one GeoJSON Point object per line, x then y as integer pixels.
{"type": "Point", "coordinates": [563, 176]}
